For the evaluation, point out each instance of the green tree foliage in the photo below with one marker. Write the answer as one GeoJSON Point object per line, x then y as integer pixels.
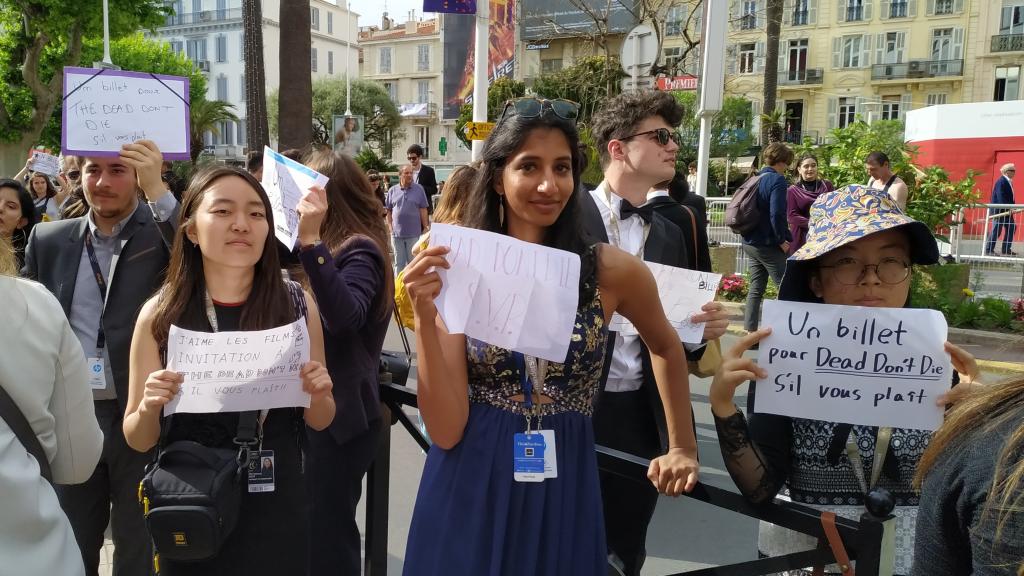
{"type": "Point", "coordinates": [500, 91]}
{"type": "Point", "coordinates": [369, 160]}
{"type": "Point", "coordinates": [935, 199]}
{"type": "Point", "coordinates": [140, 54]}
{"type": "Point", "coordinates": [730, 129]}
{"type": "Point", "coordinates": [369, 100]}
{"type": "Point", "coordinates": [590, 81]}
{"type": "Point", "coordinates": [206, 116]}
{"type": "Point", "coordinates": [38, 38]}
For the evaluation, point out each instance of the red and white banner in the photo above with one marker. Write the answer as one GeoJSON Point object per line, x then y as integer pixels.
{"type": "Point", "coordinates": [684, 82]}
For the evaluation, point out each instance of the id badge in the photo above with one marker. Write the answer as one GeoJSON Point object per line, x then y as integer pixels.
{"type": "Point", "coordinates": [97, 374]}
{"type": "Point", "coordinates": [528, 457]}
{"type": "Point", "coordinates": [550, 455]}
{"type": "Point", "coordinates": [261, 471]}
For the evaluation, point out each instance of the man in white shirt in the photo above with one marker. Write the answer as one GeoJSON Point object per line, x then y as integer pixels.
{"type": "Point", "coordinates": [634, 134]}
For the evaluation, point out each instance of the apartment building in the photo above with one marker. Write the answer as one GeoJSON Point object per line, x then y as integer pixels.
{"type": "Point", "coordinates": [210, 33]}
{"type": "Point", "coordinates": [995, 51]}
{"type": "Point", "coordinates": [844, 59]}
{"type": "Point", "coordinates": [407, 60]}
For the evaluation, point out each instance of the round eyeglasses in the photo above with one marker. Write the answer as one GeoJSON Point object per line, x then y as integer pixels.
{"type": "Point", "coordinates": [851, 272]}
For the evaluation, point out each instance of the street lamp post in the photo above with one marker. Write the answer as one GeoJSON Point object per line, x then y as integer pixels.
{"type": "Point", "coordinates": [348, 58]}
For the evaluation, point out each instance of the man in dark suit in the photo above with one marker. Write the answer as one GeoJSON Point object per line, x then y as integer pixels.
{"type": "Point", "coordinates": [1002, 219]}
{"type": "Point", "coordinates": [102, 267]}
{"type": "Point", "coordinates": [634, 136]}
{"type": "Point", "coordinates": [422, 174]}
{"type": "Point", "coordinates": [689, 212]}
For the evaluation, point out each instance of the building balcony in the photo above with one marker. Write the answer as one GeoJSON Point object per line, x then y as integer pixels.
{"type": "Point", "coordinates": [417, 110]}
{"type": "Point", "coordinates": [1008, 43]}
{"type": "Point", "coordinates": [805, 77]}
{"type": "Point", "coordinates": [798, 136]}
{"type": "Point", "coordinates": [204, 17]}
{"type": "Point", "coordinates": [918, 70]}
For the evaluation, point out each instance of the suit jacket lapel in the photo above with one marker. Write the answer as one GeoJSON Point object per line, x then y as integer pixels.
{"type": "Point", "coordinates": [592, 221]}
{"type": "Point", "coordinates": [70, 259]}
{"type": "Point", "coordinates": [654, 248]}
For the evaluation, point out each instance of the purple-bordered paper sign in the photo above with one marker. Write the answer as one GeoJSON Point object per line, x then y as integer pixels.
{"type": "Point", "coordinates": [105, 109]}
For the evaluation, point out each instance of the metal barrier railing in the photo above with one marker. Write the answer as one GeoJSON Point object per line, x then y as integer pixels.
{"type": "Point", "coordinates": [867, 541]}
{"type": "Point", "coordinates": [968, 243]}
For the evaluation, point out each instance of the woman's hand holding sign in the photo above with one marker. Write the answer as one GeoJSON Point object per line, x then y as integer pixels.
{"type": "Point", "coordinates": [312, 210]}
{"type": "Point", "coordinates": [424, 283]}
{"type": "Point", "coordinates": [316, 382]}
{"type": "Point", "coordinates": [161, 387]}
{"type": "Point", "coordinates": [735, 370]}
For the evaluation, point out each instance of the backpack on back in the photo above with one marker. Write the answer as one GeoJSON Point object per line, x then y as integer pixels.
{"type": "Point", "coordinates": [742, 214]}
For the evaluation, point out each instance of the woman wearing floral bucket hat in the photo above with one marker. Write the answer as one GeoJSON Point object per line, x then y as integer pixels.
{"type": "Point", "coordinates": [859, 252]}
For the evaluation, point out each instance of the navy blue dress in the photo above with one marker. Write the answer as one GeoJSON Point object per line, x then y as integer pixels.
{"type": "Point", "coordinates": [471, 518]}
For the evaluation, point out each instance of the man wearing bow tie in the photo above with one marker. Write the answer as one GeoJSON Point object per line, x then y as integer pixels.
{"type": "Point", "coordinates": [634, 134]}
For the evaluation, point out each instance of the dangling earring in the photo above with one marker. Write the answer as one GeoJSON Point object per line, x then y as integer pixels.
{"type": "Point", "coordinates": [501, 211]}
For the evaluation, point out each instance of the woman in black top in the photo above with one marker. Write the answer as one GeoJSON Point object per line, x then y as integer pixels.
{"type": "Point", "coordinates": [224, 258]}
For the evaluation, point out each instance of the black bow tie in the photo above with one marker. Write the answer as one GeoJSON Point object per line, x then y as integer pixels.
{"type": "Point", "coordinates": [645, 212]}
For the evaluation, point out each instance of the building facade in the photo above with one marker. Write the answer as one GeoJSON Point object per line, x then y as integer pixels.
{"type": "Point", "coordinates": [209, 32]}
{"type": "Point", "coordinates": [995, 51]}
{"type": "Point", "coordinates": [407, 60]}
{"type": "Point", "coordinates": [844, 59]}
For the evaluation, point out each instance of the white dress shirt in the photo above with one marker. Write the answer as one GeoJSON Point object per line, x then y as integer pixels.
{"type": "Point", "coordinates": [626, 372]}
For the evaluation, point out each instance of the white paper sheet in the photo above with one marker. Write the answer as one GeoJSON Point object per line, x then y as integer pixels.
{"type": "Point", "coordinates": [682, 293]}
{"type": "Point", "coordinates": [45, 163]}
{"type": "Point", "coordinates": [238, 371]}
{"type": "Point", "coordinates": [507, 292]}
{"type": "Point", "coordinates": [856, 365]}
{"type": "Point", "coordinates": [286, 182]}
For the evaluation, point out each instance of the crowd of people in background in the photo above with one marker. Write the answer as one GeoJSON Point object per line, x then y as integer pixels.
{"type": "Point", "coordinates": [116, 250]}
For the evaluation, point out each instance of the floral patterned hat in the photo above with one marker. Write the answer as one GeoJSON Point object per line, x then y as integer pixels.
{"type": "Point", "coordinates": [846, 215]}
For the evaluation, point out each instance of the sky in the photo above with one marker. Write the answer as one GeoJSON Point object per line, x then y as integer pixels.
{"type": "Point", "coordinates": [370, 11]}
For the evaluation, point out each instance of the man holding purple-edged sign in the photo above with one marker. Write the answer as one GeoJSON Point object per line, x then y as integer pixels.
{"type": "Point", "coordinates": [102, 267]}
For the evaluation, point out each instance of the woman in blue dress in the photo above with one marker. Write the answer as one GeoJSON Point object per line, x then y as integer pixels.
{"type": "Point", "coordinates": [472, 517]}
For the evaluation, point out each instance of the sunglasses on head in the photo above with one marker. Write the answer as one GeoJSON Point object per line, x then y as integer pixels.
{"type": "Point", "coordinates": [530, 107]}
{"type": "Point", "coordinates": [663, 135]}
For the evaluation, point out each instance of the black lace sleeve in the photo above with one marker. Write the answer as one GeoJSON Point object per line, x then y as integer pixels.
{"type": "Point", "coordinates": [759, 467]}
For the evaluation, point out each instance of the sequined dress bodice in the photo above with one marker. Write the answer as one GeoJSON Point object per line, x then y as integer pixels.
{"type": "Point", "coordinates": [496, 374]}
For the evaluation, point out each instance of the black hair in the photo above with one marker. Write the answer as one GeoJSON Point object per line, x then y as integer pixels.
{"type": "Point", "coordinates": [415, 149]}
{"type": "Point", "coordinates": [484, 203]}
{"type": "Point", "coordinates": [254, 160]}
{"type": "Point", "coordinates": [880, 158]}
{"type": "Point", "coordinates": [679, 188]}
{"type": "Point", "coordinates": [19, 237]}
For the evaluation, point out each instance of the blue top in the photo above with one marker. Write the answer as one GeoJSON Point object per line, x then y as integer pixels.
{"type": "Point", "coordinates": [405, 204]}
{"type": "Point", "coordinates": [773, 229]}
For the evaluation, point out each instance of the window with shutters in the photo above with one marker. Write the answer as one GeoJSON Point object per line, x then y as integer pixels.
{"type": "Point", "coordinates": [384, 60]}
{"type": "Point", "coordinates": [851, 52]}
{"type": "Point", "coordinates": [241, 88]}
{"type": "Point", "coordinates": [847, 113]}
{"type": "Point", "coordinates": [675, 20]}
{"type": "Point", "coordinates": [222, 48]}
{"type": "Point", "coordinates": [891, 107]}
{"type": "Point", "coordinates": [855, 10]}
{"type": "Point", "coordinates": [802, 13]}
{"type": "Point", "coordinates": [227, 132]}
{"type": "Point", "coordinates": [177, 47]}
{"type": "Point", "coordinates": [195, 49]}
{"type": "Point", "coordinates": [943, 7]}
{"type": "Point", "coordinates": [197, 6]}
{"type": "Point", "coordinates": [891, 48]}
{"type": "Point", "coordinates": [898, 8]}
{"type": "Point", "coordinates": [747, 58]}
{"type": "Point", "coordinates": [947, 50]}
{"type": "Point", "coordinates": [1007, 83]}
{"type": "Point", "coordinates": [330, 22]}
{"type": "Point", "coordinates": [222, 87]}
{"type": "Point", "coordinates": [242, 139]}
{"type": "Point", "coordinates": [392, 90]}
{"type": "Point", "coordinates": [672, 58]}
{"type": "Point", "coordinates": [936, 99]}
{"type": "Point", "coordinates": [423, 58]}
{"type": "Point", "coordinates": [312, 59]}
{"type": "Point", "coordinates": [314, 18]}
{"type": "Point", "coordinates": [748, 15]}
{"type": "Point", "coordinates": [330, 62]}
{"type": "Point", "coordinates": [423, 91]}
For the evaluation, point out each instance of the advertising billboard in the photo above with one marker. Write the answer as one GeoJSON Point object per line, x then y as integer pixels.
{"type": "Point", "coordinates": [458, 31]}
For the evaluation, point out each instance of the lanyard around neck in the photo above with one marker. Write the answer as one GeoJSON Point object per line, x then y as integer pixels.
{"type": "Point", "coordinates": [881, 450]}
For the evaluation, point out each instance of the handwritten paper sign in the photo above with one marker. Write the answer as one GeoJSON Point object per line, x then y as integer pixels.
{"type": "Point", "coordinates": [238, 371]}
{"type": "Point", "coordinates": [508, 293]}
{"type": "Point", "coordinates": [856, 365]}
{"type": "Point", "coordinates": [682, 294]}
{"type": "Point", "coordinates": [106, 109]}
{"type": "Point", "coordinates": [286, 181]}
{"type": "Point", "coordinates": [44, 163]}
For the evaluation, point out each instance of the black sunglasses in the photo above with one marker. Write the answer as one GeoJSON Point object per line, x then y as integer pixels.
{"type": "Point", "coordinates": [530, 107]}
{"type": "Point", "coordinates": [74, 174]}
{"type": "Point", "coordinates": [663, 134]}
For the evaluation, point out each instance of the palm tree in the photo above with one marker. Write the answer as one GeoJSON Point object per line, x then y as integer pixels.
{"type": "Point", "coordinates": [257, 135]}
{"type": "Point", "coordinates": [771, 67]}
{"type": "Point", "coordinates": [206, 116]}
{"type": "Point", "coordinates": [295, 104]}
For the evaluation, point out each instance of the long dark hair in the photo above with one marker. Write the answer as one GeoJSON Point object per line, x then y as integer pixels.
{"type": "Point", "coordinates": [50, 190]}
{"type": "Point", "coordinates": [19, 237]}
{"type": "Point", "coordinates": [484, 203]}
{"type": "Point", "coordinates": [182, 300]}
{"type": "Point", "coordinates": [353, 208]}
